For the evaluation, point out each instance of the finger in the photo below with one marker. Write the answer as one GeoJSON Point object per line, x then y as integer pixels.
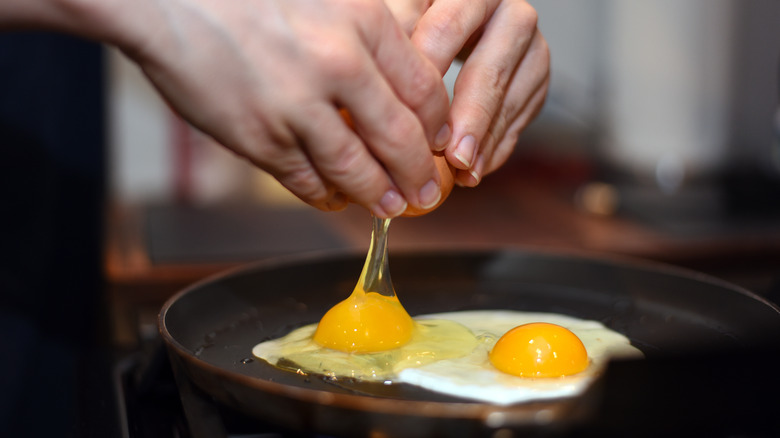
{"type": "Point", "coordinates": [408, 12]}
{"type": "Point", "coordinates": [523, 100]}
{"type": "Point", "coordinates": [389, 162]}
{"type": "Point", "coordinates": [413, 78]}
{"type": "Point", "coordinates": [295, 172]}
{"type": "Point", "coordinates": [500, 147]}
{"type": "Point", "coordinates": [395, 138]}
{"type": "Point", "coordinates": [471, 177]}
{"type": "Point", "coordinates": [345, 161]}
{"type": "Point", "coordinates": [508, 142]}
{"type": "Point", "coordinates": [276, 148]}
{"type": "Point", "coordinates": [398, 103]}
{"type": "Point", "coordinates": [483, 81]}
{"type": "Point", "coordinates": [447, 25]}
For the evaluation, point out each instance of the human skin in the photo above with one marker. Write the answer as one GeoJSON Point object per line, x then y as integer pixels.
{"type": "Point", "coordinates": [268, 79]}
{"type": "Point", "coordinates": [503, 82]}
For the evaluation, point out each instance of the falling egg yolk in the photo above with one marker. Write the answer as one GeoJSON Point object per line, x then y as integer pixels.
{"type": "Point", "coordinates": [539, 350]}
{"type": "Point", "coordinates": [365, 323]}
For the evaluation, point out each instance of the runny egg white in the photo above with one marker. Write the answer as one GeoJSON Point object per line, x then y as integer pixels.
{"type": "Point", "coordinates": [449, 353]}
{"type": "Point", "coordinates": [474, 377]}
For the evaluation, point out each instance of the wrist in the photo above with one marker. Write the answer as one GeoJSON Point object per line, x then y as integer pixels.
{"type": "Point", "coordinates": [114, 22]}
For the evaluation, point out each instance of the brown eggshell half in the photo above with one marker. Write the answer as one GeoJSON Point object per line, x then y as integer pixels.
{"type": "Point", "coordinates": [447, 175]}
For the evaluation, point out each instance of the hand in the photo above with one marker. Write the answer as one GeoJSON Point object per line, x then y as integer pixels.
{"type": "Point", "coordinates": [267, 79]}
{"type": "Point", "coordinates": [502, 84]}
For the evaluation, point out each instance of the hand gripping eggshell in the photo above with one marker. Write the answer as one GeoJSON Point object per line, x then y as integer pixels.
{"type": "Point", "coordinates": [446, 176]}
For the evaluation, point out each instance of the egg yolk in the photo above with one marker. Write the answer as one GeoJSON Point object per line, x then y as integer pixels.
{"type": "Point", "coordinates": [539, 350]}
{"type": "Point", "coordinates": [365, 323]}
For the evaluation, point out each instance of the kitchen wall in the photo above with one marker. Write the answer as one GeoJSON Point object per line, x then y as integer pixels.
{"type": "Point", "coordinates": [672, 88]}
{"type": "Point", "coordinates": [665, 88]}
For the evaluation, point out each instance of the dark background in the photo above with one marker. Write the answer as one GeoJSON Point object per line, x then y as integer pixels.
{"type": "Point", "coordinates": [52, 173]}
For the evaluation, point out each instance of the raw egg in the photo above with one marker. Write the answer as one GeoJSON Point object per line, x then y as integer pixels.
{"type": "Point", "coordinates": [371, 319]}
{"type": "Point", "coordinates": [450, 353]}
{"type": "Point", "coordinates": [499, 357]}
{"type": "Point", "coordinates": [365, 323]}
{"type": "Point", "coordinates": [430, 341]}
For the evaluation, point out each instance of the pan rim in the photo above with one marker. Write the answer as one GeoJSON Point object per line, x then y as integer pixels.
{"type": "Point", "coordinates": [484, 412]}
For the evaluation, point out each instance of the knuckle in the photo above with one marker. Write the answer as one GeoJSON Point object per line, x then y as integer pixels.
{"type": "Point", "coordinates": [482, 112]}
{"type": "Point", "coordinates": [335, 61]}
{"type": "Point", "coordinates": [514, 103]}
{"type": "Point", "coordinates": [334, 57]}
{"type": "Point", "coordinates": [449, 25]}
{"type": "Point", "coordinates": [424, 84]}
{"type": "Point", "coordinates": [266, 145]}
{"type": "Point", "coordinates": [498, 77]}
{"type": "Point", "coordinates": [306, 184]}
{"type": "Point", "coordinates": [342, 166]}
{"type": "Point", "coordinates": [372, 11]}
{"type": "Point", "coordinates": [524, 14]}
{"type": "Point", "coordinates": [486, 105]}
{"type": "Point", "coordinates": [498, 129]}
{"type": "Point", "coordinates": [403, 128]}
{"type": "Point", "coordinates": [359, 8]}
{"type": "Point", "coordinates": [345, 67]}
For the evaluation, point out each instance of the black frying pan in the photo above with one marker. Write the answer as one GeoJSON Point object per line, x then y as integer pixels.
{"type": "Point", "coordinates": [211, 327]}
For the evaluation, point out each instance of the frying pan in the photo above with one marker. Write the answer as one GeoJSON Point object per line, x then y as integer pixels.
{"type": "Point", "coordinates": [211, 327]}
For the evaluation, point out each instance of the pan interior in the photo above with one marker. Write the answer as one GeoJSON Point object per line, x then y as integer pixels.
{"type": "Point", "coordinates": [663, 311]}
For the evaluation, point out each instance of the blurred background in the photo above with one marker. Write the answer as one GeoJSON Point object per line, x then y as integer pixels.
{"type": "Point", "coordinates": [668, 92]}
{"type": "Point", "coordinates": [660, 139]}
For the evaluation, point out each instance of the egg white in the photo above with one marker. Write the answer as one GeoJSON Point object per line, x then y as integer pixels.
{"type": "Point", "coordinates": [431, 340]}
{"type": "Point", "coordinates": [473, 377]}
{"type": "Point", "coordinates": [467, 372]}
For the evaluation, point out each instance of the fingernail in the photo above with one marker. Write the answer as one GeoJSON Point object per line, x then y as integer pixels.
{"type": "Point", "coordinates": [442, 138]}
{"type": "Point", "coordinates": [458, 177]}
{"type": "Point", "coordinates": [392, 204]}
{"type": "Point", "coordinates": [464, 152]}
{"type": "Point", "coordinates": [430, 194]}
{"type": "Point", "coordinates": [474, 175]}
{"type": "Point", "coordinates": [476, 170]}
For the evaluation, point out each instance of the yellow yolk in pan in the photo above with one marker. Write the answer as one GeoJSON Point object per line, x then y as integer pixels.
{"type": "Point", "coordinates": [539, 350]}
{"type": "Point", "coordinates": [365, 323]}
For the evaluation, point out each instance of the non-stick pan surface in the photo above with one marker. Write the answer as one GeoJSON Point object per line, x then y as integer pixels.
{"type": "Point", "coordinates": [211, 327]}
